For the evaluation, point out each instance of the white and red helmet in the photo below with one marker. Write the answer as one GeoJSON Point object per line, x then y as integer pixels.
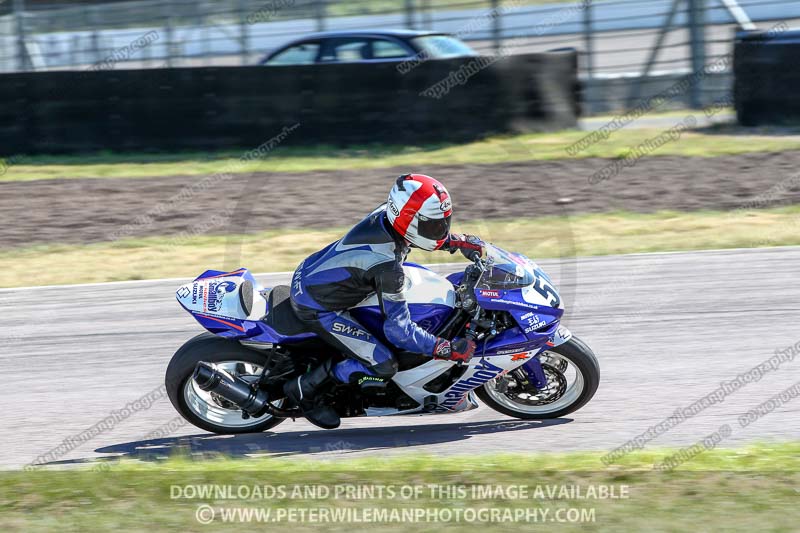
{"type": "Point", "coordinates": [419, 209]}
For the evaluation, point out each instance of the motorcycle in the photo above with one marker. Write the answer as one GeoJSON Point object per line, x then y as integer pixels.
{"type": "Point", "coordinates": [526, 365]}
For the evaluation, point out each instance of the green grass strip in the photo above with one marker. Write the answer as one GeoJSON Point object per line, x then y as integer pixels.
{"type": "Point", "coordinates": [749, 489]}
{"type": "Point", "coordinates": [274, 251]}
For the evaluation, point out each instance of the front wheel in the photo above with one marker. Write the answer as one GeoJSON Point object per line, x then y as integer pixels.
{"type": "Point", "coordinates": [208, 410]}
{"type": "Point", "coordinates": [573, 375]}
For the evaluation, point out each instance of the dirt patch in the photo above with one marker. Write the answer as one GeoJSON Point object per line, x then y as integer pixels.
{"type": "Point", "coordinates": [94, 210]}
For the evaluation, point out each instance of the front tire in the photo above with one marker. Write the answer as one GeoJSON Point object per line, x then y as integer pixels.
{"type": "Point", "coordinates": [525, 402]}
{"type": "Point", "coordinates": [201, 408]}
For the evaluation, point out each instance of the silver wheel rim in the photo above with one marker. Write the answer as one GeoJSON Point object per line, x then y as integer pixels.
{"type": "Point", "coordinates": [575, 387]}
{"type": "Point", "coordinates": [208, 408]}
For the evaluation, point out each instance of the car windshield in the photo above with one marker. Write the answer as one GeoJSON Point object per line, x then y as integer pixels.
{"type": "Point", "coordinates": [506, 270]}
{"type": "Point", "coordinates": [443, 46]}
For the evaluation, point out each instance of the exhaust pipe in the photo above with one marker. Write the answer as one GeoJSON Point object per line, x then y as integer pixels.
{"type": "Point", "coordinates": [251, 400]}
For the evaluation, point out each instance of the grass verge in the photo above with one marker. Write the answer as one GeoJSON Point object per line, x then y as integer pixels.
{"type": "Point", "coordinates": [272, 251]}
{"type": "Point", "coordinates": [749, 489]}
{"type": "Point", "coordinates": [533, 147]}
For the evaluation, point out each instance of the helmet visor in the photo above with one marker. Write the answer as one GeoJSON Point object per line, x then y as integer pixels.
{"type": "Point", "coordinates": [434, 229]}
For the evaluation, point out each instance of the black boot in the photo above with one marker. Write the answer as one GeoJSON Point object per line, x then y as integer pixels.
{"type": "Point", "coordinates": [303, 391]}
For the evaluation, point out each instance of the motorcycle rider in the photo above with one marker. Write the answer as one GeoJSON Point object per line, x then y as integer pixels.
{"type": "Point", "coordinates": [366, 261]}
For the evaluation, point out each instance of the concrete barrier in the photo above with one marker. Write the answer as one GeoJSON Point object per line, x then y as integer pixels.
{"type": "Point", "coordinates": [216, 107]}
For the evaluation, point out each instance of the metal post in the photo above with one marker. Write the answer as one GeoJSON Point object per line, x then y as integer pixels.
{"type": "Point", "coordinates": [739, 14]}
{"type": "Point", "coordinates": [168, 35]}
{"type": "Point", "coordinates": [243, 32]}
{"type": "Point", "coordinates": [588, 39]}
{"type": "Point", "coordinates": [74, 47]}
{"type": "Point", "coordinates": [91, 16]}
{"type": "Point", "coordinates": [665, 29]}
{"type": "Point", "coordinates": [427, 14]}
{"type": "Point", "coordinates": [497, 27]}
{"type": "Point", "coordinates": [320, 11]}
{"type": "Point", "coordinates": [22, 54]}
{"type": "Point", "coordinates": [410, 14]}
{"type": "Point", "coordinates": [697, 38]}
{"type": "Point", "coordinates": [199, 16]}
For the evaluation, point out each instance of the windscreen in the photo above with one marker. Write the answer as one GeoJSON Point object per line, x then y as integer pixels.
{"type": "Point", "coordinates": [505, 270]}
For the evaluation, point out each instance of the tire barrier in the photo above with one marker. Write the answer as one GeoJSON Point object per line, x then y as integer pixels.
{"type": "Point", "coordinates": [767, 77]}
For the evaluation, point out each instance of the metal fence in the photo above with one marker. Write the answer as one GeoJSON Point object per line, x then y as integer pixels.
{"type": "Point", "coordinates": [629, 48]}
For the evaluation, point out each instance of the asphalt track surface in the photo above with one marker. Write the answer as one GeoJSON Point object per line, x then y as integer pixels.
{"type": "Point", "coordinates": [667, 329]}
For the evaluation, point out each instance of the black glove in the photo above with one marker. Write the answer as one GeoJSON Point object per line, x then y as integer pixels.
{"type": "Point", "coordinates": [469, 245]}
{"type": "Point", "coordinates": [460, 350]}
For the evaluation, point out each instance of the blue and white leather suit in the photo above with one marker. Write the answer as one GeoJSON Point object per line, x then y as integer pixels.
{"type": "Point", "coordinates": [368, 260]}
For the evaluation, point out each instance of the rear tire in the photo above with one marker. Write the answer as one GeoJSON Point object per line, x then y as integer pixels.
{"type": "Point", "coordinates": [577, 353]}
{"type": "Point", "coordinates": [211, 349]}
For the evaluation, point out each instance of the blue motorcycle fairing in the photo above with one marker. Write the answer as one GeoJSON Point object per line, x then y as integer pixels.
{"type": "Point", "coordinates": [431, 317]}
{"type": "Point", "coordinates": [455, 278]}
{"type": "Point", "coordinates": [239, 272]}
{"type": "Point", "coordinates": [513, 340]}
{"type": "Point", "coordinates": [535, 322]}
{"type": "Point", "coordinates": [232, 327]}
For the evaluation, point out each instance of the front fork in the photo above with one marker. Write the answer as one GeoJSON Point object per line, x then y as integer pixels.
{"type": "Point", "coordinates": [533, 366]}
{"type": "Point", "coordinates": [535, 372]}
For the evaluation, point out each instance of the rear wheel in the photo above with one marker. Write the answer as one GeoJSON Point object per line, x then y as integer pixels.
{"type": "Point", "coordinates": [573, 376]}
{"type": "Point", "coordinates": [207, 410]}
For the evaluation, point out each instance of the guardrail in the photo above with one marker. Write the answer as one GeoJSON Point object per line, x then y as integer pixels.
{"type": "Point", "coordinates": [628, 48]}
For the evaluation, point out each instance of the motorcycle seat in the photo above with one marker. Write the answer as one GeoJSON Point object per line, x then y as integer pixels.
{"type": "Point", "coordinates": [280, 315]}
